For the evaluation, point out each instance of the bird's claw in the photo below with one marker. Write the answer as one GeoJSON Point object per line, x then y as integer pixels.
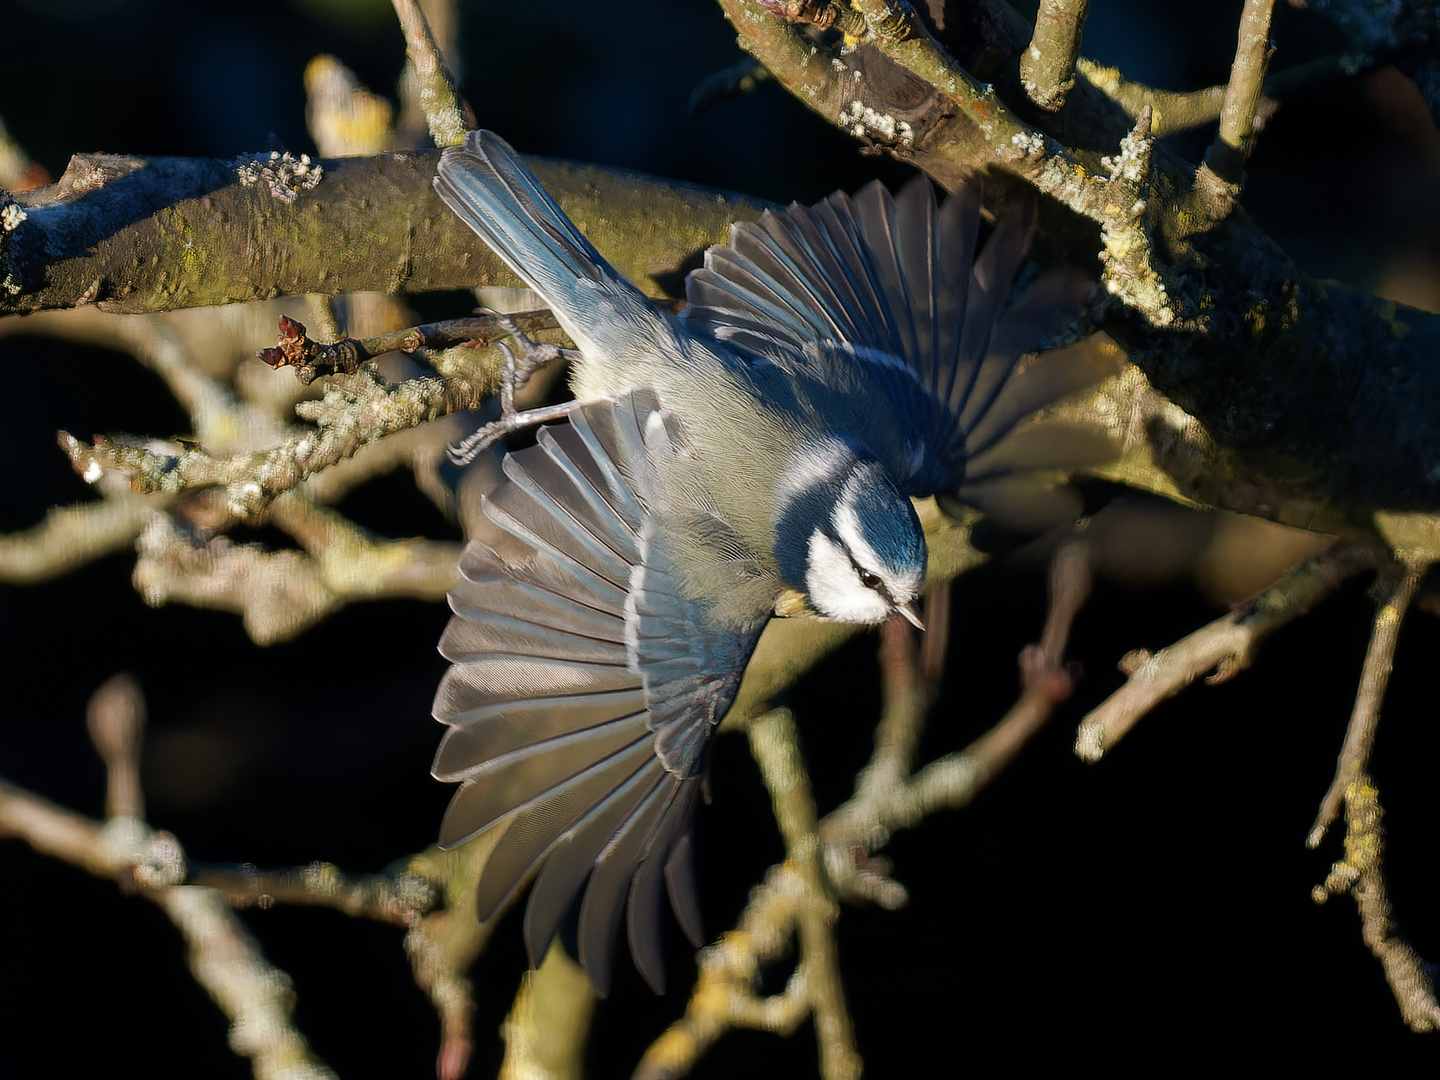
{"type": "Point", "coordinates": [521, 362]}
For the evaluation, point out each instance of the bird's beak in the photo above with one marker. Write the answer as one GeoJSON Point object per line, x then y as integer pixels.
{"type": "Point", "coordinates": [911, 612]}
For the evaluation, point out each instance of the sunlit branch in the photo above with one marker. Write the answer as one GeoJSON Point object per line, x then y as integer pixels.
{"type": "Point", "coordinates": [1225, 647]}
{"type": "Point", "coordinates": [1397, 588]}
{"type": "Point", "coordinates": [1361, 873]}
{"type": "Point", "coordinates": [255, 996]}
{"type": "Point", "coordinates": [775, 744]}
{"type": "Point", "coordinates": [446, 113]}
{"type": "Point", "coordinates": [399, 899]}
{"type": "Point", "coordinates": [280, 593]}
{"type": "Point", "coordinates": [1226, 156]}
{"type": "Point", "coordinates": [1047, 66]}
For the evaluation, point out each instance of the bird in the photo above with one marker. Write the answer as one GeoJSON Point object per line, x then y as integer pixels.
{"type": "Point", "coordinates": [755, 452]}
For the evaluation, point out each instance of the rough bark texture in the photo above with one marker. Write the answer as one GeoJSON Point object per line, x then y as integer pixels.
{"type": "Point", "coordinates": [141, 234]}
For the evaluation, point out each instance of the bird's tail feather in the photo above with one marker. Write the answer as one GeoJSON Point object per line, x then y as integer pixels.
{"type": "Point", "coordinates": [495, 193]}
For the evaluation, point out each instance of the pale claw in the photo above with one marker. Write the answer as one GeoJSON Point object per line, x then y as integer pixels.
{"type": "Point", "coordinates": [520, 363]}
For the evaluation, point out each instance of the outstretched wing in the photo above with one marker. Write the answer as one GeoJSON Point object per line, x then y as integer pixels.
{"type": "Point", "coordinates": [894, 286]}
{"type": "Point", "coordinates": [585, 687]}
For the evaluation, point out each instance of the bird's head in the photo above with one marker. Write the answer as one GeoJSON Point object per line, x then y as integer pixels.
{"type": "Point", "coordinates": [847, 537]}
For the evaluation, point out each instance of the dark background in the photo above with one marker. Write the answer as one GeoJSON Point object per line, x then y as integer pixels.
{"type": "Point", "coordinates": [1152, 913]}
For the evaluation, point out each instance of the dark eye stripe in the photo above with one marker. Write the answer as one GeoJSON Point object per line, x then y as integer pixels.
{"type": "Point", "coordinates": [869, 580]}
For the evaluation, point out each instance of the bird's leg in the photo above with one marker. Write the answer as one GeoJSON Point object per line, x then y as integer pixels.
{"type": "Point", "coordinates": [523, 361]}
{"type": "Point", "coordinates": [520, 363]}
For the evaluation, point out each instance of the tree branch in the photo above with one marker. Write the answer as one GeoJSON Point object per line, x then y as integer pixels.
{"type": "Point", "coordinates": [1047, 68]}
{"type": "Point", "coordinates": [280, 593]}
{"type": "Point", "coordinates": [397, 899]}
{"type": "Point", "coordinates": [137, 234]}
{"type": "Point", "coordinates": [256, 997]}
{"type": "Point", "coordinates": [446, 114]}
{"type": "Point", "coordinates": [887, 799]}
{"type": "Point", "coordinates": [72, 536]}
{"type": "Point", "coordinates": [1226, 156]}
{"type": "Point", "coordinates": [1361, 873]}
{"type": "Point", "coordinates": [548, 1025]}
{"type": "Point", "coordinates": [1397, 588]}
{"type": "Point", "coordinates": [775, 743]}
{"type": "Point", "coordinates": [1225, 647]}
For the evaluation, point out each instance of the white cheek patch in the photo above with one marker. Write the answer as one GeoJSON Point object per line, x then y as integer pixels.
{"type": "Point", "coordinates": [834, 587]}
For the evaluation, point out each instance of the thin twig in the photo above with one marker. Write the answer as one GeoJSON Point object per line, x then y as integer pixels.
{"type": "Point", "coordinates": [775, 744]}
{"type": "Point", "coordinates": [115, 718]}
{"type": "Point", "coordinates": [446, 113]}
{"type": "Point", "coordinates": [1180, 110]}
{"type": "Point", "coordinates": [280, 593]}
{"type": "Point", "coordinates": [1397, 587]}
{"type": "Point", "coordinates": [734, 81]}
{"type": "Point", "coordinates": [724, 995]}
{"type": "Point", "coordinates": [1361, 873]}
{"type": "Point", "coordinates": [399, 899]}
{"type": "Point", "coordinates": [1226, 156]}
{"type": "Point", "coordinates": [1170, 110]}
{"type": "Point", "coordinates": [255, 996]}
{"type": "Point", "coordinates": [1225, 647]}
{"type": "Point", "coordinates": [1072, 575]}
{"type": "Point", "coordinates": [70, 537]}
{"type": "Point", "coordinates": [935, 644]}
{"type": "Point", "coordinates": [1047, 66]}
{"type": "Point", "coordinates": [355, 412]}
{"type": "Point", "coordinates": [445, 943]}
{"type": "Point", "coordinates": [953, 781]}
{"type": "Point", "coordinates": [312, 359]}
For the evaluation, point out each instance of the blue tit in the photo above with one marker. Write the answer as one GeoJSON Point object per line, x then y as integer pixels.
{"type": "Point", "coordinates": [833, 363]}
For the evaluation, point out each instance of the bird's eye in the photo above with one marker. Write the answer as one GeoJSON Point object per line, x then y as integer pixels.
{"type": "Point", "coordinates": [869, 580]}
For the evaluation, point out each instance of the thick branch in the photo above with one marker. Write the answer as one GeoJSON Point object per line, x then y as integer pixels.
{"type": "Point", "coordinates": [152, 234]}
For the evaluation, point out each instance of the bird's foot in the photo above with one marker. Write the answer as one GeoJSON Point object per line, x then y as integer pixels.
{"type": "Point", "coordinates": [521, 362]}
{"type": "Point", "coordinates": [476, 443]}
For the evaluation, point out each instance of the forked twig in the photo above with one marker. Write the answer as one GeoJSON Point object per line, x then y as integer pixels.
{"type": "Point", "coordinates": [1224, 648]}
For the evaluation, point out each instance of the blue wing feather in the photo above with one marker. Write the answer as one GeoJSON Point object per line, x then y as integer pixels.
{"type": "Point", "coordinates": [585, 685]}
{"type": "Point", "coordinates": [892, 288]}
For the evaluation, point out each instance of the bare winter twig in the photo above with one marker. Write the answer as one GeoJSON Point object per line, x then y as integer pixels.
{"type": "Point", "coordinates": [1397, 587]}
{"type": "Point", "coordinates": [1047, 68]}
{"type": "Point", "coordinates": [1225, 648]}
